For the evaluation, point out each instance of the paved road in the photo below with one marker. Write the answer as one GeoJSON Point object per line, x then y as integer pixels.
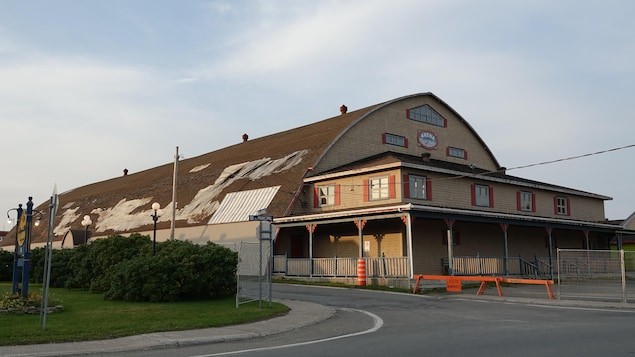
{"type": "Point", "coordinates": [371, 323]}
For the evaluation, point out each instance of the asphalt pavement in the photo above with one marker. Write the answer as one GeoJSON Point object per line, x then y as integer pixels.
{"type": "Point", "coordinates": [301, 314]}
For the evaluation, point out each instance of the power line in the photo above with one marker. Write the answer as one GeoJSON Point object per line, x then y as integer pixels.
{"type": "Point", "coordinates": [572, 157]}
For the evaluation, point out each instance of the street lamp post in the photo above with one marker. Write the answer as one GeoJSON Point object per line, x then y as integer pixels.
{"type": "Point", "coordinates": [22, 249]}
{"type": "Point", "coordinates": [86, 222]}
{"type": "Point", "coordinates": [156, 207]}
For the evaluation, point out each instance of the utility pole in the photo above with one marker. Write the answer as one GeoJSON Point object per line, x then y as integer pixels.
{"type": "Point", "coordinates": [174, 182]}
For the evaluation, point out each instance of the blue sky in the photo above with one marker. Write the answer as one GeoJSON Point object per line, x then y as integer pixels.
{"type": "Point", "coordinates": [88, 88]}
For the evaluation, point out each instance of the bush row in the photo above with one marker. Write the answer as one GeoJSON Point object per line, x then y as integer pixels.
{"type": "Point", "coordinates": [124, 268]}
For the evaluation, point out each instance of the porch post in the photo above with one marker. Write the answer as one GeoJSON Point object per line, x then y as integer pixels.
{"type": "Point", "coordinates": [311, 228]}
{"type": "Point", "coordinates": [409, 239]}
{"type": "Point", "coordinates": [504, 227]}
{"type": "Point", "coordinates": [549, 230]}
{"type": "Point", "coordinates": [619, 241]}
{"type": "Point", "coordinates": [450, 224]}
{"type": "Point", "coordinates": [360, 226]}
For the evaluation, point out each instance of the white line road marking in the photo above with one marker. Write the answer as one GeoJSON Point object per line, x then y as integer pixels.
{"type": "Point", "coordinates": [377, 324]}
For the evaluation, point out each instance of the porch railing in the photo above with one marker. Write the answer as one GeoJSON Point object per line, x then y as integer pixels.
{"type": "Point", "coordinates": [490, 265]}
{"type": "Point", "coordinates": [341, 267]}
{"type": "Point", "coordinates": [397, 267]}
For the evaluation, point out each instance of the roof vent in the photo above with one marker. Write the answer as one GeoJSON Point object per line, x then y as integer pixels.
{"type": "Point", "coordinates": [343, 109]}
{"type": "Point", "coordinates": [425, 156]}
{"type": "Point", "coordinates": [245, 137]}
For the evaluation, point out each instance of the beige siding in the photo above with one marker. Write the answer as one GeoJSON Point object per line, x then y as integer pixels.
{"type": "Point", "coordinates": [364, 138]}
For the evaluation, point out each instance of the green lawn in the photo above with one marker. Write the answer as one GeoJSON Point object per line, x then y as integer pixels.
{"type": "Point", "coordinates": [88, 316]}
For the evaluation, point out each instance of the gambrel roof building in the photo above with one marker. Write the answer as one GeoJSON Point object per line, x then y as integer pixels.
{"type": "Point", "coordinates": [399, 179]}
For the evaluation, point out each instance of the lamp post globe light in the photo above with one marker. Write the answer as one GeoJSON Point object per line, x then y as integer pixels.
{"type": "Point", "coordinates": [86, 222]}
{"type": "Point", "coordinates": [156, 207]}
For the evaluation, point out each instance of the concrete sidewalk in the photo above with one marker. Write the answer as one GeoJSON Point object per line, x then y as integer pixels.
{"type": "Point", "coordinates": [301, 314]}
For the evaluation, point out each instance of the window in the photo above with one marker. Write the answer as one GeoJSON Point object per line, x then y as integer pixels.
{"type": "Point", "coordinates": [426, 114]}
{"type": "Point", "coordinates": [482, 195]}
{"type": "Point", "coordinates": [327, 195]}
{"type": "Point", "coordinates": [561, 206]}
{"type": "Point", "coordinates": [393, 139]}
{"type": "Point", "coordinates": [456, 152]}
{"type": "Point", "coordinates": [526, 201]}
{"type": "Point", "coordinates": [417, 187]}
{"type": "Point", "coordinates": [379, 188]}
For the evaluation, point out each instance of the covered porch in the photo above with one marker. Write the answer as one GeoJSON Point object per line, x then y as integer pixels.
{"type": "Point", "coordinates": [406, 240]}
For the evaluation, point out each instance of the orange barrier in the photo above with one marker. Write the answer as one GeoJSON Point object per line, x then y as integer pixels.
{"type": "Point", "coordinates": [361, 272]}
{"type": "Point", "coordinates": [454, 283]}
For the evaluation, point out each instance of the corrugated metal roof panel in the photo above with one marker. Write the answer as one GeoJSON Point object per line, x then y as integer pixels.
{"type": "Point", "coordinates": [238, 206]}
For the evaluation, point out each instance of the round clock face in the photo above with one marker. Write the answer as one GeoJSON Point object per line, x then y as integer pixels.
{"type": "Point", "coordinates": [427, 139]}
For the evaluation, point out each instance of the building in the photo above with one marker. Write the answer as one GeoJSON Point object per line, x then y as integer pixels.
{"type": "Point", "coordinates": [406, 184]}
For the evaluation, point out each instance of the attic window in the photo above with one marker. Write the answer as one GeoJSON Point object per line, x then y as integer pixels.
{"type": "Point", "coordinates": [393, 139]}
{"type": "Point", "coordinates": [426, 114]}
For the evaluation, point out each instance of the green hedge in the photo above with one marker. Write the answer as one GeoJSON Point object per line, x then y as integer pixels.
{"type": "Point", "coordinates": [124, 268]}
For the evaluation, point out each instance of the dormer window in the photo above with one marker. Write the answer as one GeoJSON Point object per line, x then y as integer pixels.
{"type": "Point", "coordinates": [426, 114]}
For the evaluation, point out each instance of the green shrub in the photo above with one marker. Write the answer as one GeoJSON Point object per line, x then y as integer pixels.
{"type": "Point", "coordinates": [123, 268]}
{"type": "Point", "coordinates": [106, 254]}
{"type": "Point", "coordinates": [6, 265]}
{"type": "Point", "coordinates": [180, 270]}
{"type": "Point", "coordinates": [61, 269]}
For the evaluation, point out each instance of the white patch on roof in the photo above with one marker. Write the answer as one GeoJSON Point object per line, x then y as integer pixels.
{"type": "Point", "coordinates": [203, 205]}
{"type": "Point", "coordinates": [238, 206]}
{"type": "Point", "coordinates": [68, 217]}
{"type": "Point", "coordinates": [199, 168]}
{"type": "Point", "coordinates": [121, 219]}
{"type": "Point", "coordinates": [68, 205]}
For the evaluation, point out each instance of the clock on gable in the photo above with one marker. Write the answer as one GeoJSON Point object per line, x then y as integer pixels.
{"type": "Point", "coordinates": [427, 139]}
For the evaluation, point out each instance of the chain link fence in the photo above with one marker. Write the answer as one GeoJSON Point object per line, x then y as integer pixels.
{"type": "Point", "coordinates": [253, 275]}
{"type": "Point", "coordinates": [607, 275]}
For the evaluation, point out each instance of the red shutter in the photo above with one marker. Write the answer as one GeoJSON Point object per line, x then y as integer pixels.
{"type": "Point", "coordinates": [465, 151]}
{"type": "Point", "coordinates": [445, 123]}
{"type": "Point", "coordinates": [568, 207]}
{"type": "Point", "coordinates": [337, 195]}
{"type": "Point", "coordinates": [408, 113]}
{"type": "Point", "coordinates": [383, 138]}
{"type": "Point", "coordinates": [406, 186]}
{"type": "Point", "coordinates": [405, 142]}
{"type": "Point", "coordinates": [473, 189]}
{"type": "Point", "coordinates": [447, 151]}
{"type": "Point", "coordinates": [533, 202]}
{"type": "Point", "coordinates": [555, 205]}
{"type": "Point", "coordinates": [428, 189]}
{"type": "Point", "coordinates": [365, 190]}
{"type": "Point", "coordinates": [392, 189]}
{"type": "Point", "coordinates": [316, 197]}
{"type": "Point", "coordinates": [491, 196]}
{"type": "Point", "coordinates": [518, 207]}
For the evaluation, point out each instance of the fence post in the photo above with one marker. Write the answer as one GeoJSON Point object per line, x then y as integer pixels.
{"type": "Point", "coordinates": [623, 275]}
{"type": "Point", "coordinates": [480, 264]}
{"type": "Point", "coordinates": [286, 263]}
{"type": "Point", "coordinates": [335, 265]}
{"type": "Point", "coordinates": [383, 263]}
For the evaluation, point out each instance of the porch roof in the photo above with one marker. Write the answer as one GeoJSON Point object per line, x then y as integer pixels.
{"type": "Point", "coordinates": [444, 213]}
